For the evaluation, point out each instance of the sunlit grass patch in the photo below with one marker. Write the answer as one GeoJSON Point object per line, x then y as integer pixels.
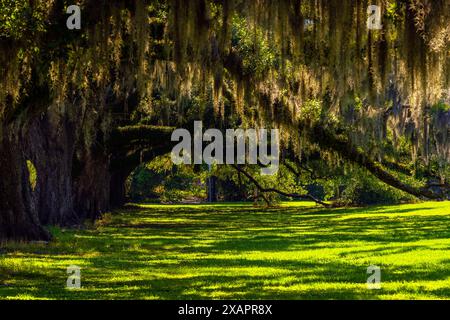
{"type": "Point", "coordinates": [225, 251]}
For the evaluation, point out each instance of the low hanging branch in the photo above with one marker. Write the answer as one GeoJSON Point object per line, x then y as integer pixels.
{"type": "Point", "coordinates": [273, 190]}
{"type": "Point", "coordinates": [405, 169]}
{"type": "Point", "coordinates": [327, 139]}
{"type": "Point", "coordinates": [136, 157]}
{"type": "Point", "coordinates": [132, 145]}
{"type": "Point", "coordinates": [122, 138]}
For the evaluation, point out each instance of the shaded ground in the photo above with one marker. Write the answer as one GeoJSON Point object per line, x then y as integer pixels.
{"type": "Point", "coordinates": [241, 252]}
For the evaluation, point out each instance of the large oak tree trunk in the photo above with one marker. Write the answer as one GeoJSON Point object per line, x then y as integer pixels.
{"type": "Point", "coordinates": [18, 216]}
{"type": "Point", "coordinates": [66, 145]}
{"type": "Point", "coordinates": [50, 146]}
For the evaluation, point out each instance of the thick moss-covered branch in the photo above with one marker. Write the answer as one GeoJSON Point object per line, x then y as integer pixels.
{"type": "Point", "coordinates": [396, 166]}
{"type": "Point", "coordinates": [421, 170]}
{"type": "Point", "coordinates": [339, 143]}
{"type": "Point", "coordinates": [132, 159]}
{"type": "Point", "coordinates": [139, 135]}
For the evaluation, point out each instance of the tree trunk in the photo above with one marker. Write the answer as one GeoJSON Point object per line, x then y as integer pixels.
{"type": "Point", "coordinates": [212, 189]}
{"type": "Point", "coordinates": [118, 188]}
{"type": "Point", "coordinates": [92, 186]}
{"type": "Point", "coordinates": [18, 216]}
{"type": "Point", "coordinates": [50, 146]}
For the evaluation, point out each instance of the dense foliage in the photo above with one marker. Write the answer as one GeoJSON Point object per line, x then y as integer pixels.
{"type": "Point", "coordinates": [86, 107]}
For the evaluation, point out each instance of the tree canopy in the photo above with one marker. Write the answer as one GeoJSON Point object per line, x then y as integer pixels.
{"type": "Point", "coordinates": [87, 106]}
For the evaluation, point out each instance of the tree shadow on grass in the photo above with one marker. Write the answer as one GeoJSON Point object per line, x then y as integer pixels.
{"type": "Point", "coordinates": [179, 254]}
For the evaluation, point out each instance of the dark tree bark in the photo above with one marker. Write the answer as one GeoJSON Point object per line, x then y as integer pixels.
{"type": "Point", "coordinates": [18, 217]}
{"type": "Point", "coordinates": [50, 145]}
{"type": "Point", "coordinates": [139, 137]}
{"type": "Point", "coordinates": [118, 188]}
{"type": "Point", "coordinates": [91, 188]}
{"type": "Point", "coordinates": [212, 189]}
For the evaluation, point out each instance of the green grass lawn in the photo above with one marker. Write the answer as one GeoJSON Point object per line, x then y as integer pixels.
{"type": "Point", "coordinates": [237, 251]}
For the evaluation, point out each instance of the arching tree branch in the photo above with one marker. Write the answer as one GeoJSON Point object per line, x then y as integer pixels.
{"type": "Point", "coordinates": [140, 136]}
{"type": "Point", "coordinates": [339, 143]}
{"type": "Point", "coordinates": [134, 158]}
{"type": "Point", "coordinates": [273, 190]}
